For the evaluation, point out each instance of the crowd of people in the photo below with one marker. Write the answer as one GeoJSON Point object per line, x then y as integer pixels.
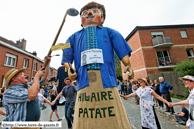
{"type": "Point", "coordinates": [152, 94]}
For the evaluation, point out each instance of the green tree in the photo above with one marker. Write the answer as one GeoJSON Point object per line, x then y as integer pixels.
{"type": "Point", "coordinates": [184, 68]}
{"type": "Point", "coordinates": [118, 67]}
{"type": "Point", "coordinates": [43, 84]}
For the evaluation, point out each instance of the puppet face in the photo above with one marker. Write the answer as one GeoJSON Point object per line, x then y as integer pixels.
{"type": "Point", "coordinates": [91, 17]}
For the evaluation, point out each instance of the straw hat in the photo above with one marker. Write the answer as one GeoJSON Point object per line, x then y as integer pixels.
{"type": "Point", "coordinates": [67, 78]}
{"type": "Point", "coordinates": [10, 74]}
{"type": "Point", "coordinates": [94, 4]}
{"type": "Point", "coordinates": [187, 77]}
{"type": "Point", "coordinates": [143, 79]}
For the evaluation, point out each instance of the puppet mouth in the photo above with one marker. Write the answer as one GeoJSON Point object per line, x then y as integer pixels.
{"type": "Point", "coordinates": [90, 16]}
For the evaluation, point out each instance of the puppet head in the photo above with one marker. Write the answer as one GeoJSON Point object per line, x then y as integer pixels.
{"type": "Point", "coordinates": [92, 14]}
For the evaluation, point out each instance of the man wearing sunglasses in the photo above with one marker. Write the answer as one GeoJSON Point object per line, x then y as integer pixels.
{"type": "Point", "coordinates": [92, 50]}
{"type": "Point", "coordinates": [20, 98]}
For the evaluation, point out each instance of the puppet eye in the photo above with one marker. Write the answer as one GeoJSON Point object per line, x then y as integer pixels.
{"type": "Point", "coordinates": [84, 12]}
{"type": "Point", "coordinates": [95, 10]}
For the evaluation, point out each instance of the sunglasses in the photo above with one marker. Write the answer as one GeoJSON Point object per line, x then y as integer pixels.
{"type": "Point", "coordinates": [187, 80]}
{"type": "Point", "coordinates": [141, 81]}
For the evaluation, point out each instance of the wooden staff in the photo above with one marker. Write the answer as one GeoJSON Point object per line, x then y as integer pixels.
{"type": "Point", "coordinates": [71, 12]}
{"type": "Point", "coordinates": [55, 40]}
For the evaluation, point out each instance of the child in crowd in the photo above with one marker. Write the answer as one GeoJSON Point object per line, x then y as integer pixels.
{"type": "Point", "coordinates": [182, 117]}
{"type": "Point", "coordinates": [54, 107]}
{"type": "Point", "coordinates": [41, 99]}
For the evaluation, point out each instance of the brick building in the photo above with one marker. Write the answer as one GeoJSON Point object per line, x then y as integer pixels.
{"type": "Point", "coordinates": [14, 55]}
{"type": "Point", "coordinates": [157, 49]}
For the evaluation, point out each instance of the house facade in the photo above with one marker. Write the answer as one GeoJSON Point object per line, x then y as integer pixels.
{"type": "Point", "coordinates": [157, 49]}
{"type": "Point", "coordinates": [14, 55]}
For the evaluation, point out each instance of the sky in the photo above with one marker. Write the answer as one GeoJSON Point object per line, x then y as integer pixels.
{"type": "Point", "coordinates": [38, 21]}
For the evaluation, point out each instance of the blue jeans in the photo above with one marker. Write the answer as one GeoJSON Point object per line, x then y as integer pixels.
{"type": "Point", "coordinates": [129, 90]}
{"type": "Point", "coordinates": [68, 113]}
{"type": "Point", "coordinates": [180, 118]}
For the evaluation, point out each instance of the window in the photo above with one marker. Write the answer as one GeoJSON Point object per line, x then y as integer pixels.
{"type": "Point", "coordinates": [10, 60]}
{"type": "Point", "coordinates": [163, 58]}
{"type": "Point", "coordinates": [25, 63]}
{"type": "Point", "coordinates": [190, 52]}
{"type": "Point", "coordinates": [157, 34]}
{"type": "Point", "coordinates": [157, 38]}
{"type": "Point", "coordinates": [40, 66]}
{"type": "Point", "coordinates": [35, 66]}
{"type": "Point", "coordinates": [183, 34]}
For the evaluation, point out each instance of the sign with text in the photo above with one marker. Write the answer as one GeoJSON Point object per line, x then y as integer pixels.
{"type": "Point", "coordinates": [91, 56]}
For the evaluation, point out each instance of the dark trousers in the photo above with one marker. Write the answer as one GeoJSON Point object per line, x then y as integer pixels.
{"type": "Point", "coordinates": [181, 118]}
{"type": "Point", "coordinates": [125, 91]}
{"type": "Point", "coordinates": [129, 90]}
{"type": "Point", "coordinates": [166, 96]}
{"type": "Point", "coordinates": [160, 103]}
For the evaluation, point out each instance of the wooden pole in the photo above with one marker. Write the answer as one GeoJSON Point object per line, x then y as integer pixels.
{"type": "Point", "coordinates": [55, 40]}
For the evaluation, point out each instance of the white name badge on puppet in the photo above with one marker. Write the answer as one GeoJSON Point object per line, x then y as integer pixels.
{"type": "Point", "coordinates": [91, 56]}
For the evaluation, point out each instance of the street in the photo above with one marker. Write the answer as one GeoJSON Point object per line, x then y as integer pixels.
{"type": "Point", "coordinates": [133, 113]}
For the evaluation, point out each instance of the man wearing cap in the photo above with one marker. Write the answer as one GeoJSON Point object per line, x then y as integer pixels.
{"type": "Point", "coordinates": [165, 89]}
{"type": "Point", "coordinates": [20, 98]}
{"type": "Point", "coordinates": [97, 77]}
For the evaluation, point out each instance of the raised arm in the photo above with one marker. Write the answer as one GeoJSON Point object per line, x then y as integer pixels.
{"type": "Point", "coordinates": [34, 89]}
{"type": "Point", "coordinates": [47, 67]}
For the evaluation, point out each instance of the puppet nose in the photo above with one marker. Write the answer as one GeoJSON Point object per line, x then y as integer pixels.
{"type": "Point", "coordinates": [90, 13]}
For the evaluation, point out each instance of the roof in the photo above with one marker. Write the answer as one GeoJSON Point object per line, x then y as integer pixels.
{"type": "Point", "coordinates": [157, 27]}
{"type": "Point", "coordinates": [10, 44]}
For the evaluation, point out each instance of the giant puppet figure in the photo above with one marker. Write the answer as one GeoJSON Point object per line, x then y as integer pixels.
{"type": "Point", "coordinates": [98, 105]}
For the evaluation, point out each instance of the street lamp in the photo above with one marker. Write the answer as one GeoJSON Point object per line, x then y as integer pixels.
{"type": "Point", "coordinates": [55, 55]}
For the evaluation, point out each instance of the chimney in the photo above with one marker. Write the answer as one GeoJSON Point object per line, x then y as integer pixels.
{"type": "Point", "coordinates": [22, 44]}
{"type": "Point", "coordinates": [34, 53]}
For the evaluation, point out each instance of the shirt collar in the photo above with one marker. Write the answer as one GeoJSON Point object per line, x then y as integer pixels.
{"type": "Point", "coordinates": [18, 86]}
{"type": "Point", "coordinates": [97, 26]}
